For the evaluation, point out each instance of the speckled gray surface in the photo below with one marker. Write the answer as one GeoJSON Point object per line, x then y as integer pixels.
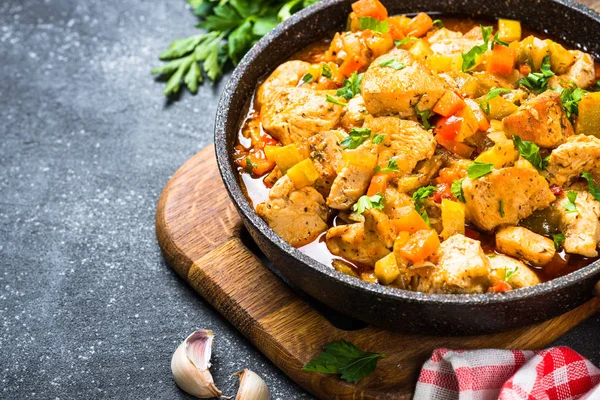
{"type": "Point", "coordinates": [88, 308]}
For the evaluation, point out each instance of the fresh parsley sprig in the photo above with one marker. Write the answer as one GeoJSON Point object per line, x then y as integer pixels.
{"type": "Point", "coordinates": [558, 239]}
{"type": "Point", "coordinates": [424, 115]}
{"type": "Point", "coordinates": [392, 166]}
{"type": "Point", "coordinates": [470, 57]}
{"type": "Point", "coordinates": [570, 205]}
{"type": "Point", "coordinates": [531, 152]}
{"type": "Point", "coordinates": [373, 24]}
{"type": "Point", "coordinates": [457, 190]}
{"type": "Point", "coordinates": [594, 190]}
{"type": "Point", "coordinates": [345, 359]}
{"type": "Point", "coordinates": [232, 27]}
{"type": "Point", "coordinates": [479, 169]}
{"type": "Point", "coordinates": [366, 203]}
{"type": "Point", "coordinates": [393, 63]}
{"type": "Point", "coordinates": [356, 137]}
{"type": "Point", "coordinates": [538, 81]}
{"type": "Point", "coordinates": [418, 199]}
{"type": "Point", "coordinates": [492, 94]}
{"type": "Point", "coordinates": [570, 98]}
{"type": "Point", "coordinates": [351, 86]}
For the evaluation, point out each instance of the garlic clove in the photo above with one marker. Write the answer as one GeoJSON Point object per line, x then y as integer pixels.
{"type": "Point", "coordinates": [252, 387]}
{"type": "Point", "coordinates": [190, 363]}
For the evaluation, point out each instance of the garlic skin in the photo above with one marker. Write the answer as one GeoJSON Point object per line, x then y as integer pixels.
{"type": "Point", "coordinates": [252, 387]}
{"type": "Point", "coordinates": [190, 364]}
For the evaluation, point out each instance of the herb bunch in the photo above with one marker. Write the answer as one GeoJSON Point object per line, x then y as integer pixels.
{"type": "Point", "coordinates": [232, 28]}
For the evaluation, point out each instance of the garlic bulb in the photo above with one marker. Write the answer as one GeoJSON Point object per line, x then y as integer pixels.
{"type": "Point", "coordinates": [190, 364]}
{"type": "Point", "coordinates": [252, 387]}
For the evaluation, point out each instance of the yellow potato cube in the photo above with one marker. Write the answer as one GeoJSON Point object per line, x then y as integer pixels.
{"type": "Point", "coordinates": [386, 269]}
{"type": "Point", "coordinates": [303, 174]}
{"type": "Point", "coordinates": [453, 218]}
{"type": "Point", "coordinates": [509, 30]}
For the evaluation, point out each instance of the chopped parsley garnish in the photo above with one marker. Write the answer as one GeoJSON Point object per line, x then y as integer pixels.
{"type": "Point", "coordinates": [594, 190]}
{"type": "Point", "coordinates": [424, 115]}
{"type": "Point", "coordinates": [351, 86]}
{"type": "Point", "coordinates": [538, 80]}
{"type": "Point", "coordinates": [457, 190]}
{"type": "Point", "coordinates": [393, 63]}
{"type": "Point", "coordinates": [406, 40]}
{"type": "Point", "coordinates": [392, 166]}
{"type": "Point", "coordinates": [331, 99]}
{"type": "Point", "coordinates": [470, 57]}
{"type": "Point", "coordinates": [558, 239]}
{"type": "Point", "coordinates": [479, 169]}
{"type": "Point", "coordinates": [345, 359]}
{"type": "Point", "coordinates": [508, 273]}
{"type": "Point", "coordinates": [356, 137]}
{"type": "Point", "coordinates": [531, 152]}
{"type": "Point", "coordinates": [373, 24]}
{"type": "Point", "coordinates": [418, 199]}
{"type": "Point", "coordinates": [439, 23]}
{"type": "Point", "coordinates": [249, 165]}
{"type": "Point", "coordinates": [378, 139]}
{"type": "Point", "coordinates": [570, 204]}
{"type": "Point", "coordinates": [326, 71]}
{"type": "Point", "coordinates": [501, 208]}
{"type": "Point", "coordinates": [366, 203]}
{"type": "Point", "coordinates": [497, 40]}
{"type": "Point", "coordinates": [492, 94]}
{"type": "Point", "coordinates": [570, 98]}
{"type": "Point", "coordinates": [307, 78]}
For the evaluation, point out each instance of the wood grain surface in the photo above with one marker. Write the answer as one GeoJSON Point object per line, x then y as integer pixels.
{"type": "Point", "coordinates": [198, 230]}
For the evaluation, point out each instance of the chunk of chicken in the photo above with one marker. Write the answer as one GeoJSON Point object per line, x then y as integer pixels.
{"type": "Point", "coordinates": [522, 243]}
{"type": "Point", "coordinates": [388, 90]}
{"type": "Point", "coordinates": [505, 196]}
{"type": "Point", "coordinates": [363, 243]}
{"type": "Point", "coordinates": [581, 228]}
{"type": "Point", "coordinates": [326, 153]}
{"type": "Point", "coordinates": [287, 74]}
{"type": "Point", "coordinates": [296, 113]}
{"type": "Point", "coordinates": [351, 183]}
{"type": "Point", "coordinates": [354, 113]}
{"type": "Point", "coordinates": [447, 42]}
{"type": "Point", "coordinates": [461, 267]}
{"type": "Point", "coordinates": [521, 275]}
{"type": "Point", "coordinates": [580, 154]}
{"type": "Point", "coordinates": [298, 216]}
{"type": "Point", "coordinates": [405, 141]}
{"type": "Point", "coordinates": [541, 120]}
{"type": "Point", "coordinates": [365, 45]}
{"type": "Point", "coordinates": [582, 72]}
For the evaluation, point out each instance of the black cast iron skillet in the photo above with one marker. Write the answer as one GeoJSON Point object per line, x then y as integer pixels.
{"type": "Point", "coordinates": [383, 306]}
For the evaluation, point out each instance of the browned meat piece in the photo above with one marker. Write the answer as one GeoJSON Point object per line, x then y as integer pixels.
{"type": "Point", "coordinates": [287, 74]}
{"type": "Point", "coordinates": [326, 154]}
{"type": "Point", "coordinates": [298, 216]}
{"type": "Point", "coordinates": [521, 275]}
{"type": "Point", "coordinates": [522, 243]}
{"type": "Point", "coordinates": [541, 120]}
{"type": "Point", "coordinates": [405, 141]}
{"type": "Point", "coordinates": [461, 267]}
{"type": "Point", "coordinates": [296, 113]}
{"type": "Point", "coordinates": [351, 183]}
{"type": "Point", "coordinates": [445, 41]}
{"type": "Point", "coordinates": [505, 196]}
{"type": "Point", "coordinates": [390, 91]}
{"type": "Point", "coordinates": [580, 154]}
{"type": "Point", "coordinates": [581, 228]}
{"type": "Point", "coordinates": [363, 243]}
{"type": "Point", "coordinates": [354, 113]}
{"type": "Point", "coordinates": [582, 72]}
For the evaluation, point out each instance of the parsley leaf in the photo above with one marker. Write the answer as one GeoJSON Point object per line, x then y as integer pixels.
{"type": "Point", "coordinates": [393, 63]}
{"type": "Point", "coordinates": [531, 152]}
{"type": "Point", "coordinates": [424, 115]}
{"type": "Point", "coordinates": [356, 137]}
{"type": "Point", "coordinates": [439, 23]}
{"type": "Point", "coordinates": [378, 139]}
{"type": "Point", "coordinates": [501, 208]}
{"type": "Point", "coordinates": [307, 78]}
{"type": "Point", "coordinates": [346, 359]}
{"type": "Point", "coordinates": [392, 166]}
{"type": "Point", "coordinates": [492, 94]}
{"type": "Point", "coordinates": [497, 41]}
{"type": "Point", "coordinates": [457, 190]}
{"type": "Point", "coordinates": [470, 57]}
{"type": "Point", "coordinates": [479, 169]}
{"type": "Point", "coordinates": [249, 165]}
{"type": "Point", "coordinates": [570, 204]}
{"type": "Point", "coordinates": [558, 239]}
{"type": "Point", "coordinates": [366, 203]}
{"type": "Point", "coordinates": [418, 199]}
{"type": "Point", "coordinates": [538, 81]}
{"type": "Point", "coordinates": [326, 71]}
{"type": "Point", "coordinates": [508, 273]}
{"type": "Point", "coordinates": [331, 99]}
{"type": "Point", "coordinates": [408, 39]}
{"type": "Point", "coordinates": [570, 98]}
{"type": "Point", "coordinates": [373, 24]}
{"type": "Point", "coordinates": [594, 190]}
{"type": "Point", "coordinates": [351, 86]}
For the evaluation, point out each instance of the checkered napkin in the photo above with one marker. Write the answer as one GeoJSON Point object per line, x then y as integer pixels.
{"type": "Point", "coordinates": [552, 374]}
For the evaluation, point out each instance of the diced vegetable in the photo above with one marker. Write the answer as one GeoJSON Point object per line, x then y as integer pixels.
{"type": "Point", "coordinates": [378, 184]}
{"type": "Point", "coordinates": [255, 163]}
{"type": "Point", "coordinates": [560, 58]}
{"type": "Point", "coordinates": [386, 269]}
{"type": "Point", "coordinates": [500, 108]}
{"type": "Point", "coordinates": [360, 157]}
{"type": "Point", "coordinates": [303, 174]}
{"type": "Point", "coordinates": [419, 25]}
{"type": "Point", "coordinates": [453, 218]}
{"type": "Point", "coordinates": [449, 104]}
{"type": "Point", "coordinates": [460, 149]}
{"type": "Point", "coordinates": [285, 157]}
{"type": "Point", "coordinates": [500, 287]}
{"type": "Point", "coordinates": [444, 63]}
{"type": "Point", "coordinates": [397, 26]}
{"type": "Point", "coordinates": [459, 126]}
{"type": "Point", "coordinates": [370, 8]}
{"type": "Point", "coordinates": [482, 122]}
{"type": "Point", "coordinates": [421, 50]}
{"type": "Point", "coordinates": [379, 43]}
{"type": "Point", "coordinates": [531, 51]}
{"type": "Point", "coordinates": [501, 61]}
{"type": "Point", "coordinates": [501, 154]}
{"type": "Point", "coordinates": [409, 222]}
{"type": "Point", "coordinates": [588, 121]}
{"type": "Point", "coordinates": [351, 65]}
{"type": "Point", "coordinates": [509, 30]}
{"type": "Point", "coordinates": [420, 245]}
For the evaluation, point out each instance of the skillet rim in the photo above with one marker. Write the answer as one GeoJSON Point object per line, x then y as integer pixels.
{"type": "Point", "coordinates": [232, 184]}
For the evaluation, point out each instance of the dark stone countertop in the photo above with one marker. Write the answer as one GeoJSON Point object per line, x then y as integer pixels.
{"type": "Point", "coordinates": [88, 307]}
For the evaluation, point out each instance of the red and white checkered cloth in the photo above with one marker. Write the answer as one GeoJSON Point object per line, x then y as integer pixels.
{"type": "Point", "coordinates": [553, 374]}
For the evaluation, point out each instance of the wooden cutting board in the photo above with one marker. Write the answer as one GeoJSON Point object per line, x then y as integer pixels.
{"type": "Point", "coordinates": [200, 234]}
